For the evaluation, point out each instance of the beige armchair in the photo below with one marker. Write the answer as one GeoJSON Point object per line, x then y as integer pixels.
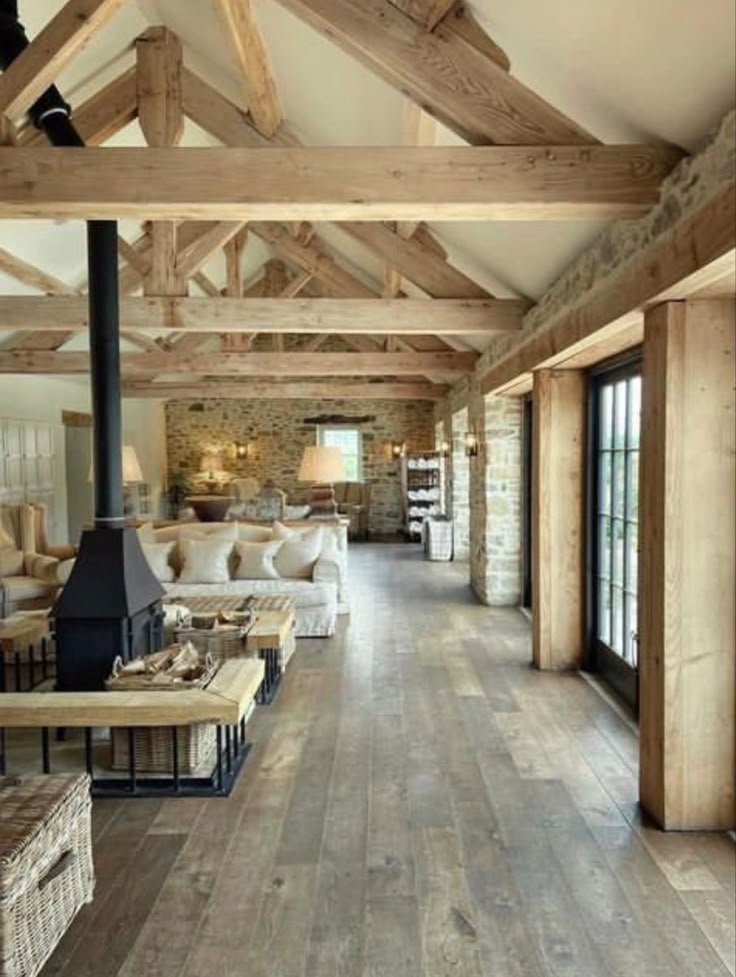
{"type": "Point", "coordinates": [27, 578]}
{"type": "Point", "coordinates": [353, 500]}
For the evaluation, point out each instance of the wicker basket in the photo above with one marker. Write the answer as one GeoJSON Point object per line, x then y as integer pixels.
{"type": "Point", "coordinates": [437, 535]}
{"type": "Point", "coordinates": [46, 870]}
{"type": "Point", "coordinates": [218, 643]}
{"type": "Point", "coordinates": [154, 747]}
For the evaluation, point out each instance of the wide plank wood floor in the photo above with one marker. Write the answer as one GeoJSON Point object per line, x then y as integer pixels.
{"type": "Point", "coordinates": [418, 803]}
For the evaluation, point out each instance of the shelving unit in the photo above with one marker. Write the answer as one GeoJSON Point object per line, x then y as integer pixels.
{"type": "Point", "coordinates": [422, 490]}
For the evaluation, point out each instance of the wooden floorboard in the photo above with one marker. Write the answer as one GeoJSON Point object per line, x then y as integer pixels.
{"type": "Point", "coordinates": [418, 802]}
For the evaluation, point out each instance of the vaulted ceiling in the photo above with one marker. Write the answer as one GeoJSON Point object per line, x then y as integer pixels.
{"type": "Point", "coordinates": [629, 73]}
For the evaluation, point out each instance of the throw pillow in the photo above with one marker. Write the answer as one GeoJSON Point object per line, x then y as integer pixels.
{"type": "Point", "coordinates": [158, 555]}
{"type": "Point", "coordinates": [254, 534]}
{"type": "Point", "coordinates": [205, 561]}
{"type": "Point", "coordinates": [299, 553]}
{"type": "Point", "coordinates": [256, 560]}
{"type": "Point", "coordinates": [280, 531]}
{"type": "Point", "coordinates": [199, 531]}
{"type": "Point", "coordinates": [6, 540]}
{"type": "Point", "coordinates": [12, 562]}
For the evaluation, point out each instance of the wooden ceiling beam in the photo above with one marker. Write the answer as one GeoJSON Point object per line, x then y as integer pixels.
{"type": "Point", "coordinates": [336, 183]}
{"type": "Point", "coordinates": [158, 87]}
{"type": "Point", "coordinates": [28, 274]}
{"type": "Point", "coordinates": [39, 65]}
{"type": "Point", "coordinates": [449, 78]}
{"type": "Point", "coordinates": [258, 364]}
{"type": "Point", "coordinates": [371, 316]}
{"type": "Point", "coordinates": [428, 13]}
{"type": "Point", "coordinates": [313, 258]}
{"type": "Point", "coordinates": [255, 69]}
{"type": "Point", "coordinates": [101, 116]}
{"type": "Point", "coordinates": [462, 24]}
{"type": "Point", "coordinates": [265, 390]}
{"type": "Point", "coordinates": [213, 240]}
{"type": "Point", "coordinates": [413, 261]}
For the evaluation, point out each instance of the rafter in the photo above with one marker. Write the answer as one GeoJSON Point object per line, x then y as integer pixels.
{"type": "Point", "coordinates": [37, 67]}
{"type": "Point", "coordinates": [428, 13]}
{"type": "Point", "coordinates": [462, 24]}
{"type": "Point", "coordinates": [273, 390]}
{"type": "Point", "coordinates": [449, 78]}
{"type": "Point", "coordinates": [337, 183]}
{"type": "Point", "coordinates": [35, 277]}
{"type": "Point", "coordinates": [208, 244]}
{"type": "Point", "coordinates": [101, 116]}
{"type": "Point", "coordinates": [413, 261]}
{"type": "Point", "coordinates": [372, 316]}
{"type": "Point", "coordinates": [255, 69]}
{"type": "Point", "coordinates": [247, 364]}
{"type": "Point", "coordinates": [312, 258]}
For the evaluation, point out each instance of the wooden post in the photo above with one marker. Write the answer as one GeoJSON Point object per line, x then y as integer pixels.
{"type": "Point", "coordinates": [688, 568]}
{"type": "Point", "coordinates": [558, 514]}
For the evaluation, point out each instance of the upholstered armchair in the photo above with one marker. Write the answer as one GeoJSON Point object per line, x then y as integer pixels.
{"type": "Point", "coordinates": [27, 578]}
{"type": "Point", "coordinates": [353, 500]}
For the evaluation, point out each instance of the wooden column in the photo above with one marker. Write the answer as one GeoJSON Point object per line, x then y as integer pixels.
{"type": "Point", "coordinates": [558, 514]}
{"type": "Point", "coordinates": [687, 566]}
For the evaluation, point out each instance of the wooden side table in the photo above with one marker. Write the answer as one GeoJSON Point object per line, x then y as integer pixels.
{"type": "Point", "coordinates": [19, 635]}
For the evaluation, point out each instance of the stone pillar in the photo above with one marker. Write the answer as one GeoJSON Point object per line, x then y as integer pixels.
{"type": "Point", "coordinates": [687, 566]}
{"type": "Point", "coordinates": [503, 481]}
{"type": "Point", "coordinates": [460, 485]}
{"type": "Point", "coordinates": [558, 516]}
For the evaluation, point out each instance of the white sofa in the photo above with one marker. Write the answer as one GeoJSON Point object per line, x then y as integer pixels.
{"type": "Point", "coordinates": [319, 599]}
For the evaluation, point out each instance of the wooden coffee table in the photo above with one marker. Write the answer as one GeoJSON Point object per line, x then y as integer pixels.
{"type": "Point", "coordinates": [270, 637]}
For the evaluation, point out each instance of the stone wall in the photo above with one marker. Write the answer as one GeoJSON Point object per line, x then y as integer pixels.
{"type": "Point", "coordinates": [277, 432]}
{"type": "Point", "coordinates": [494, 487]}
{"type": "Point", "coordinates": [692, 183]}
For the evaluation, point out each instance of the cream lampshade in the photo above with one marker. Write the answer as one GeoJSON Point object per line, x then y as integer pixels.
{"type": "Point", "coordinates": [322, 465]}
{"type": "Point", "coordinates": [131, 466]}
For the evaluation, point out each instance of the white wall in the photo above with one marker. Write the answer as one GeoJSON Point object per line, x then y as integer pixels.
{"type": "Point", "coordinates": [43, 399]}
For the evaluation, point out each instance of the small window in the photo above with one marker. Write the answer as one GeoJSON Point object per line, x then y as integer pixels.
{"type": "Point", "coordinates": [349, 441]}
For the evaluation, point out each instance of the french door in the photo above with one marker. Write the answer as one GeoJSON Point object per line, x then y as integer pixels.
{"type": "Point", "coordinates": [614, 523]}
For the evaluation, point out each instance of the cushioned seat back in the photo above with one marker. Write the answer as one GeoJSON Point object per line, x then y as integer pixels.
{"type": "Point", "coordinates": [340, 491]}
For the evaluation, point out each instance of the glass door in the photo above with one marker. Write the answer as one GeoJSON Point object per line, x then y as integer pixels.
{"type": "Point", "coordinates": [616, 427]}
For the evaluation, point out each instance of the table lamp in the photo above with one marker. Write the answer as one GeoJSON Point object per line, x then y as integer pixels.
{"type": "Point", "coordinates": [211, 468]}
{"type": "Point", "coordinates": [322, 466]}
{"type": "Point", "coordinates": [132, 474]}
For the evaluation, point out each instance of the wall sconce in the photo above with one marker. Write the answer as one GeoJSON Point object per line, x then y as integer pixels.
{"type": "Point", "coordinates": [398, 449]}
{"type": "Point", "coordinates": [242, 450]}
{"type": "Point", "coordinates": [471, 444]}
{"type": "Point", "coordinates": [444, 449]}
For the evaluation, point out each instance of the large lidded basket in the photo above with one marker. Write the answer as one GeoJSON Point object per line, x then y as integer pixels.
{"type": "Point", "coordinates": [437, 535]}
{"type": "Point", "coordinates": [174, 669]}
{"type": "Point", "coordinates": [46, 870]}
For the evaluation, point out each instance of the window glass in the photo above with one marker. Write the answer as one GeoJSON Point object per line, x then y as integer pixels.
{"type": "Point", "coordinates": [349, 441]}
{"type": "Point", "coordinates": [616, 514]}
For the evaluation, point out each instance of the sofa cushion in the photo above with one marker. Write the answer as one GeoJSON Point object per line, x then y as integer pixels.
{"type": "Point", "coordinates": [205, 560]}
{"type": "Point", "coordinates": [255, 560]}
{"type": "Point", "coordinates": [20, 588]}
{"type": "Point", "coordinates": [146, 533]}
{"type": "Point", "coordinates": [305, 592]}
{"type": "Point", "coordinates": [6, 540]}
{"type": "Point", "coordinates": [158, 555]}
{"type": "Point", "coordinates": [11, 561]}
{"type": "Point", "coordinates": [298, 553]}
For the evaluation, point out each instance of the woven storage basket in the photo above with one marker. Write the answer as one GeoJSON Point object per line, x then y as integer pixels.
{"type": "Point", "coordinates": [437, 539]}
{"type": "Point", "coordinates": [220, 643]}
{"type": "Point", "coordinates": [46, 870]}
{"type": "Point", "coordinates": [154, 746]}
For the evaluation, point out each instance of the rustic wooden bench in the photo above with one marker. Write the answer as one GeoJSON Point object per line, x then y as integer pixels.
{"type": "Point", "coordinates": [224, 702]}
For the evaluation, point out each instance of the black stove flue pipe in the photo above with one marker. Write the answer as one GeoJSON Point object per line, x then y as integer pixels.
{"type": "Point", "coordinates": [52, 115]}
